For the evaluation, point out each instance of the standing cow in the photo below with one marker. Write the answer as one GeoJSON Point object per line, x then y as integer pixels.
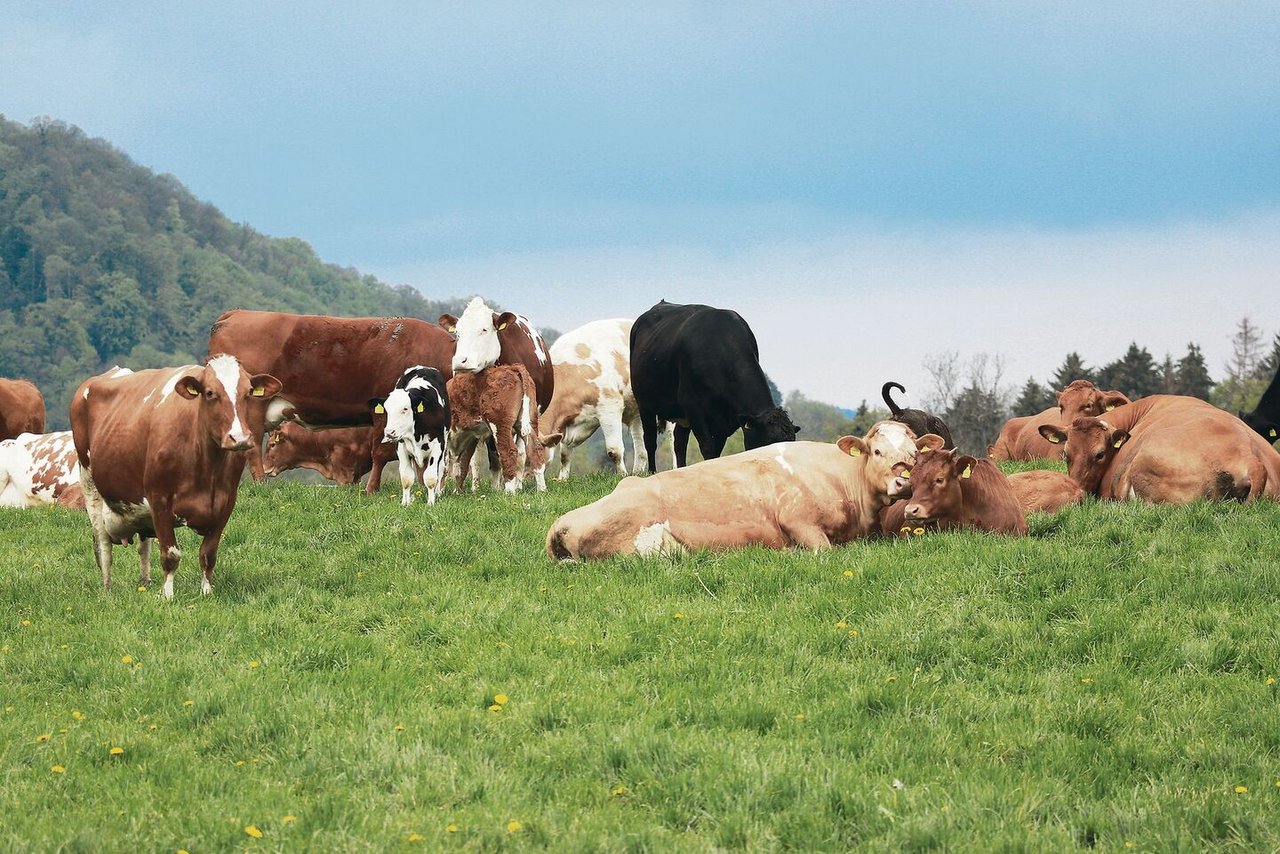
{"type": "Point", "coordinates": [486, 337]}
{"type": "Point", "coordinates": [496, 404]}
{"type": "Point", "coordinates": [1265, 417]}
{"type": "Point", "coordinates": [1021, 439]}
{"type": "Point", "coordinates": [21, 408]}
{"type": "Point", "coordinates": [418, 417]}
{"type": "Point", "coordinates": [700, 367]}
{"type": "Point", "coordinates": [329, 366]}
{"type": "Point", "coordinates": [161, 448]}
{"type": "Point", "coordinates": [593, 391]}
{"type": "Point", "coordinates": [918, 420]}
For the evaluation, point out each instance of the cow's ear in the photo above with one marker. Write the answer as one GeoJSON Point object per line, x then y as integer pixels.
{"type": "Point", "coordinates": [500, 321]}
{"type": "Point", "coordinates": [190, 386]}
{"type": "Point", "coordinates": [1119, 437]}
{"type": "Point", "coordinates": [1112, 399]}
{"type": "Point", "coordinates": [449, 323]}
{"type": "Point", "coordinates": [930, 442]}
{"type": "Point", "coordinates": [964, 466]}
{"type": "Point", "coordinates": [1053, 434]}
{"type": "Point", "coordinates": [376, 405]}
{"type": "Point", "coordinates": [853, 446]}
{"type": "Point", "coordinates": [264, 386]}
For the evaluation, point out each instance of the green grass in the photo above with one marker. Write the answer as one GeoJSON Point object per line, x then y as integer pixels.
{"type": "Point", "coordinates": [1099, 683]}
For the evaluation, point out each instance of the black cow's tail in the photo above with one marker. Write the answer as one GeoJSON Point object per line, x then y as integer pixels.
{"type": "Point", "coordinates": [884, 392]}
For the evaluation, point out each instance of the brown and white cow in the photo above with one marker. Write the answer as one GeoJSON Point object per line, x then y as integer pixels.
{"type": "Point", "coordinates": [1044, 491]}
{"type": "Point", "coordinates": [329, 366]}
{"type": "Point", "coordinates": [487, 337]}
{"type": "Point", "coordinates": [341, 454]}
{"type": "Point", "coordinates": [21, 408]}
{"type": "Point", "coordinates": [592, 367]}
{"type": "Point", "coordinates": [161, 448]}
{"type": "Point", "coordinates": [1020, 438]}
{"type": "Point", "coordinates": [496, 403]}
{"type": "Point", "coordinates": [1168, 449]}
{"type": "Point", "coordinates": [811, 495]}
{"type": "Point", "coordinates": [950, 491]}
{"type": "Point", "coordinates": [37, 469]}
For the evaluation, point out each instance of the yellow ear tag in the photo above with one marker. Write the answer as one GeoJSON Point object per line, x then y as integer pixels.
{"type": "Point", "coordinates": [258, 392]}
{"type": "Point", "coordinates": [421, 408]}
{"type": "Point", "coordinates": [906, 474]}
{"type": "Point", "coordinates": [1273, 432]}
{"type": "Point", "coordinates": [926, 449]}
{"type": "Point", "coordinates": [451, 329]}
{"type": "Point", "coordinates": [853, 451]}
{"type": "Point", "coordinates": [192, 392]}
{"type": "Point", "coordinates": [1110, 406]}
{"type": "Point", "coordinates": [1053, 439]}
{"type": "Point", "coordinates": [502, 326]}
{"type": "Point", "coordinates": [378, 410]}
{"type": "Point", "coordinates": [1117, 443]}
{"type": "Point", "coordinates": [968, 470]}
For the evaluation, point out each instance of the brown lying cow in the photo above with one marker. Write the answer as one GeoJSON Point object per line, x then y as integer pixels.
{"type": "Point", "coordinates": [949, 492]}
{"type": "Point", "coordinates": [1020, 437]}
{"type": "Point", "coordinates": [38, 469]}
{"type": "Point", "coordinates": [1168, 449]}
{"type": "Point", "coordinates": [329, 366]}
{"type": "Point", "coordinates": [21, 408]}
{"type": "Point", "coordinates": [498, 402]}
{"type": "Point", "coordinates": [162, 448]}
{"type": "Point", "coordinates": [342, 454]}
{"type": "Point", "coordinates": [808, 494]}
{"type": "Point", "coordinates": [1042, 491]}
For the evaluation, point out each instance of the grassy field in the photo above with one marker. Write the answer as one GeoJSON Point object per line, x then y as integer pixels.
{"type": "Point", "coordinates": [371, 678]}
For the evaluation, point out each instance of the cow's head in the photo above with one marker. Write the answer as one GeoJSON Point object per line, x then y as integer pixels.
{"type": "Point", "coordinates": [279, 446]}
{"type": "Point", "coordinates": [936, 488]}
{"type": "Point", "coordinates": [1088, 446]}
{"type": "Point", "coordinates": [1083, 399]}
{"type": "Point", "coordinates": [1260, 424]}
{"type": "Point", "coordinates": [889, 450]}
{"type": "Point", "coordinates": [410, 412]}
{"type": "Point", "coordinates": [772, 426]}
{"type": "Point", "coordinates": [223, 392]}
{"type": "Point", "coordinates": [477, 331]}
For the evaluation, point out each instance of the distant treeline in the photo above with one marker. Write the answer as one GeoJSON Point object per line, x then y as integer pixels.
{"type": "Point", "coordinates": [104, 262]}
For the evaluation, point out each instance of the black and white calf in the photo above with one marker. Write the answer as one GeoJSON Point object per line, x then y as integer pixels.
{"type": "Point", "coordinates": [418, 419]}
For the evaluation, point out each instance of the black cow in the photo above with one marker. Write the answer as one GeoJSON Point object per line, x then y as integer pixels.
{"type": "Point", "coordinates": [418, 419]}
{"type": "Point", "coordinates": [918, 420]}
{"type": "Point", "coordinates": [1265, 417]}
{"type": "Point", "coordinates": [700, 367]}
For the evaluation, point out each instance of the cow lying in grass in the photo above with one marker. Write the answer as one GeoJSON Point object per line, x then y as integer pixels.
{"type": "Point", "coordinates": [949, 492]}
{"type": "Point", "coordinates": [1043, 491]}
{"type": "Point", "coordinates": [1168, 449]}
{"type": "Point", "coordinates": [38, 469]}
{"type": "Point", "coordinates": [808, 494]}
{"type": "Point", "coordinates": [1020, 438]}
{"type": "Point", "coordinates": [342, 454]}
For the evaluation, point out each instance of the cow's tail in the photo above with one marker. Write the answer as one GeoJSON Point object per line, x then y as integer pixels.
{"type": "Point", "coordinates": [888, 399]}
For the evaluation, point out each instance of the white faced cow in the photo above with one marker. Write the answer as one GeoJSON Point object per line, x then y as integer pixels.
{"type": "Point", "coordinates": [418, 418]}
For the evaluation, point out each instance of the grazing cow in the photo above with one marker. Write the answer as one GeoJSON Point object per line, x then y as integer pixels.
{"type": "Point", "coordinates": [593, 391]}
{"type": "Point", "coordinates": [329, 366]}
{"type": "Point", "coordinates": [918, 420]}
{"type": "Point", "coordinates": [497, 403]}
{"type": "Point", "coordinates": [1265, 417]}
{"type": "Point", "coordinates": [161, 448]}
{"type": "Point", "coordinates": [417, 413]}
{"type": "Point", "coordinates": [808, 494]}
{"type": "Point", "coordinates": [1020, 438]}
{"type": "Point", "coordinates": [1043, 491]}
{"type": "Point", "coordinates": [341, 454]}
{"type": "Point", "coordinates": [486, 338]}
{"type": "Point", "coordinates": [21, 408]}
{"type": "Point", "coordinates": [700, 367]}
{"type": "Point", "coordinates": [1168, 449]}
{"type": "Point", "coordinates": [38, 469]}
{"type": "Point", "coordinates": [949, 492]}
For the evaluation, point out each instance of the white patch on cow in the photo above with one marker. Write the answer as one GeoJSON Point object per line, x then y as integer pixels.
{"type": "Point", "coordinates": [898, 436]}
{"type": "Point", "coordinates": [86, 394]}
{"type": "Point", "coordinates": [167, 590]}
{"type": "Point", "coordinates": [534, 337]}
{"type": "Point", "coordinates": [118, 371]}
{"type": "Point", "coordinates": [657, 539]}
{"type": "Point", "coordinates": [205, 587]}
{"type": "Point", "coordinates": [399, 416]}
{"type": "Point", "coordinates": [123, 520]}
{"type": "Point", "coordinates": [169, 385]}
{"type": "Point", "coordinates": [173, 552]}
{"type": "Point", "coordinates": [782, 459]}
{"type": "Point", "coordinates": [227, 370]}
{"type": "Point", "coordinates": [276, 410]}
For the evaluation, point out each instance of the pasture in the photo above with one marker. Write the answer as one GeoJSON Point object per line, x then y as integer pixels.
{"type": "Point", "coordinates": [1107, 682]}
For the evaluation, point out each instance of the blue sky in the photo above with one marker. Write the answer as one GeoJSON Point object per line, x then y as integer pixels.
{"type": "Point", "coordinates": [868, 183]}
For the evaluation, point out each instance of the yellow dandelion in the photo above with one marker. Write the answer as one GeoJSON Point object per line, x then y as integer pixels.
{"type": "Point", "coordinates": [802, 717]}
{"type": "Point", "coordinates": [853, 633]}
{"type": "Point", "coordinates": [154, 726]}
{"type": "Point", "coordinates": [116, 751]}
{"type": "Point", "coordinates": [26, 622]}
{"type": "Point", "coordinates": [1240, 790]}
{"type": "Point", "coordinates": [239, 762]}
{"type": "Point", "coordinates": [495, 708]}
{"type": "Point", "coordinates": [891, 678]}
{"type": "Point", "coordinates": [62, 730]}
{"type": "Point", "coordinates": [289, 819]}
{"type": "Point", "coordinates": [398, 727]}
{"type": "Point", "coordinates": [514, 826]}
{"type": "Point", "coordinates": [188, 702]}
{"type": "Point", "coordinates": [58, 769]}
{"type": "Point", "coordinates": [1271, 680]}
{"type": "Point", "coordinates": [1086, 681]}
{"type": "Point", "coordinates": [677, 616]}
{"type": "Point", "coordinates": [848, 573]}
{"type": "Point", "coordinates": [618, 790]}
{"type": "Point", "coordinates": [253, 665]}
{"type": "Point", "coordinates": [842, 625]}
{"type": "Point", "coordinates": [1129, 843]}
{"type": "Point", "coordinates": [126, 659]}
{"type": "Point", "coordinates": [252, 830]}
{"type": "Point", "coordinates": [76, 714]}
{"type": "Point", "coordinates": [450, 828]}
{"type": "Point", "coordinates": [142, 588]}
{"type": "Point", "coordinates": [415, 837]}
{"type": "Point", "coordinates": [66, 646]}
{"type": "Point", "coordinates": [43, 737]}
{"type": "Point", "coordinates": [500, 699]}
{"type": "Point", "coordinates": [183, 851]}
{"type": "Point", "coordinates": [4, 648]}
{"type": "Point", "coordinates": [359, 575]}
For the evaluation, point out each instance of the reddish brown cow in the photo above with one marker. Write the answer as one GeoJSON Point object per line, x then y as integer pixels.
{"type": "Point", "coordinates": [1168, 449]}
{"type": "Point", "coordinates": [497, 403]}
{"type": "Point", "coordinates": [486, 338]}
{"type": "Point", "coordinates": [341, 454]}
{"type": "Point", "coordinates": [329, 366]}
{"type": "Point", "coordinates": [21, 408]}
{"type": "Point", "coordinates": [950, 492]}
{"type": "Point", "coordinates": [162, 448]}
{"type": "Point", "coordinates": [1043, 491]}
{"type": "Point", "coordinates": [1020, 437]}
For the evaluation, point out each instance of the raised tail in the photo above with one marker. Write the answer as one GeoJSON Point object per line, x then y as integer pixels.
{"type": "Point", "coordinates": [884, 393]}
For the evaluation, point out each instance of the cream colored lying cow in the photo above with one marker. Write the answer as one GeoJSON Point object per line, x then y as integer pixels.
{"type": "Point", "coordinates": [808, 494]}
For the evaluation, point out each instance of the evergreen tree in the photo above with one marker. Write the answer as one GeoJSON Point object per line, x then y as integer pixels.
{"type": "Point", "coordinates": [1033, 399]}
{"type": "Point", "coordinates": [1193, 374]}
{"type": "Point", "coordinates": [1135, 373]}
{"type": "Point", "coordinates": [1168, 376]}
{"type": "Point", "coordinates": [1241, 386]}
{"type": "Point", "coordinates": [1269, 365]}
{"type": "Point", "coordinates": [1073, 368]}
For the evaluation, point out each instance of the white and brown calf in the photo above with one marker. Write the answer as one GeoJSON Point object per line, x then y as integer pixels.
{"type": "Point", "coordinates": [498, 402]}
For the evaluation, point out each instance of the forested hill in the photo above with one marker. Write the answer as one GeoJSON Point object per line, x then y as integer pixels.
{"type": "Point", "coordinates": [104, 262]}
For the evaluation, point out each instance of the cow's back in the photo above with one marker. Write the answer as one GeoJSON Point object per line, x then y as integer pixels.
{"type": "Point", "coordinates": [990, 503]}
{"type": "Point", "coordinates": [1044, 491]}
{"type": "Point", "coordinates": [21, 408]}
{"type": "Point", "coordinates": [1020, 438]}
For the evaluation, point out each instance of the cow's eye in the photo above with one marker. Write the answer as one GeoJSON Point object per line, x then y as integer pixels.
{"type": "Point", "coordinates": [208, 394]}
{"type": "Point", "coordinates": [877, 452]}
{"type": "Point", "coordinates": [1100, 456]}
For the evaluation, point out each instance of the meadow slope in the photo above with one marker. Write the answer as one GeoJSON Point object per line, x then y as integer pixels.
{"type": "Point", "coordinates": [1106, 682]}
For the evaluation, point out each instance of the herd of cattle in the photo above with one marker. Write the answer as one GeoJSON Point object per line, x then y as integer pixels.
{"type": "Point", "coordinates": [155, 449]}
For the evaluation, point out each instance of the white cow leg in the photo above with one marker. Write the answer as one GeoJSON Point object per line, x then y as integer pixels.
{"type": "Point", "coordinates": [611, 426]}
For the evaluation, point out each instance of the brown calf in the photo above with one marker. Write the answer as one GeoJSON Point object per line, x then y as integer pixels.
{"type": "Point", "coordinates": [342, 454]}
{"type": "Point", "coordinates": [950, 492]}
{"type": "Point", "coordinates": [498, 402]}
{"type": "Point", "coordinates": [1042, 491]}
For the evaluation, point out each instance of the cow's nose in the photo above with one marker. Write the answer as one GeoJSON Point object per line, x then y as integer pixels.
{"type": "Point", "coordinates": [913, 511]}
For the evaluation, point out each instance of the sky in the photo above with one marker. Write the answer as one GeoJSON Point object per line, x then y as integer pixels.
{"type": "Point", "coordinates": [870, 184]}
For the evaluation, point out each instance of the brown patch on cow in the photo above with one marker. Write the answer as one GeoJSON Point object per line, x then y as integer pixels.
{"type": "Point", "coordinates": [582, 351]}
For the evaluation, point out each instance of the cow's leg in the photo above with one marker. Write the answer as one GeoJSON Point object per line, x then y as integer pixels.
{"type": "Point", "coordinates": [649, 427]}
{"type": "Point", "coordinates": [144, 560]}
{"type": "Point", "coordinates": [508, 455]}
{"type": "Point", "coordinates": [408, 473]}
{"type": "Point", "coordinates": [611, 426]}
{"type": "Point", "coordinates": [806, 535]}
{"type": "Point", "coordinates": [639, 459]}
{"type": "Point", "coordinates": [170, 554]}
{"type": "Point", "coordinates": [208, 558]}
{"type": "Point", "coordinates": [462, 462]}
{"type": "Point", "coordinates": [710, 446]}
{"type": "Point", "coordinates": [96, 507]}
{"type": "Point", "coordinates": [680, 449]}
{"type": "Point", "coordinates": [495, 462]}
{"type": "Point", "coordinates": [433, 471]}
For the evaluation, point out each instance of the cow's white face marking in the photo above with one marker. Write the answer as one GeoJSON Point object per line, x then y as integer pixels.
{"type": "Point", "coordinates": [782, 459]}
{"type": "Point", "coordinates": [399, 416]}
{"type": "Point", "coordinates": [86, 394]}
{"type": "Point", "coordinates": [227, 370]}
{"type": "Point", "coordinates": [478, 345]}
{"type": "Point", "coordinates": [898, 436]}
